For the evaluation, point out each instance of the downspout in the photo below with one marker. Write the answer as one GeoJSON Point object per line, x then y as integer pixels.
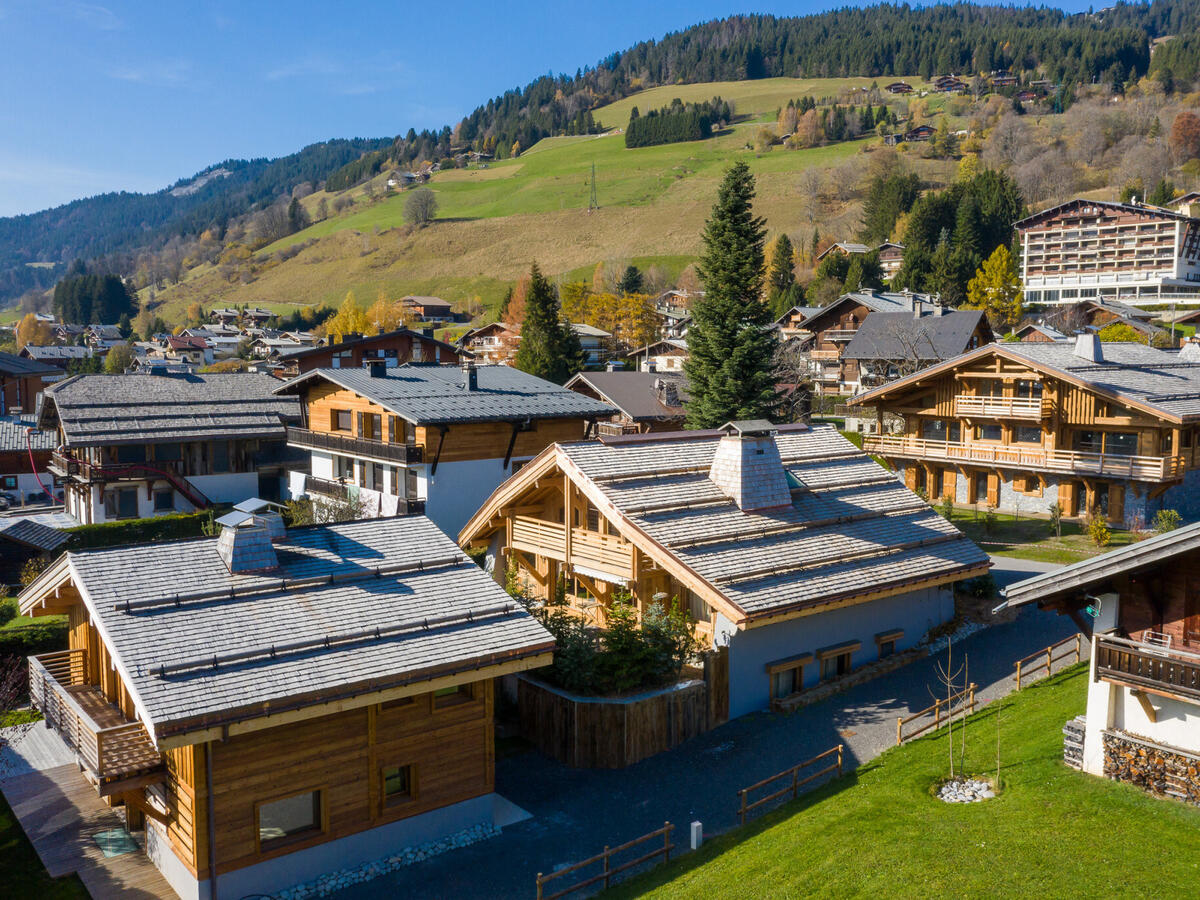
{"type": "Point", "coordinates": [438, 454]}
{"type": "Point", "coordinates": [512, 442]}
{"type": "Point", "coordinates": [212, 826]}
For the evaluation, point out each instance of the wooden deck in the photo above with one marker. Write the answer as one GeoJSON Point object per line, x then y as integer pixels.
{"type": "Point", "coordinates": [60, 812]}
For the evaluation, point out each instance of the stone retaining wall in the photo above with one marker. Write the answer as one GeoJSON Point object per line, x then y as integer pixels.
{"type": "Point", "coordinates": [1162, 771]}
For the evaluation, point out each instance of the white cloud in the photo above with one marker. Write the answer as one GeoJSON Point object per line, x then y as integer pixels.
{"type": "Point", "coordinates": [159, 73]}
{"type": "Point", "coordinates": [100, 17]}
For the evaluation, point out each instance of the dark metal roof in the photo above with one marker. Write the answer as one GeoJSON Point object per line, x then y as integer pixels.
{"type": "Point", "coordinates": [1140, 209]}
{"type": "Point", "coordinates": [633, 393]}
{"type": "Point", "coordinates": [435, 395]}
{"type": "Point", "coordinates": [366, 341]}
{"type": "Point", "coordinates": [898, 335]}
{"type": "Point", "coordinates": [11, 364]}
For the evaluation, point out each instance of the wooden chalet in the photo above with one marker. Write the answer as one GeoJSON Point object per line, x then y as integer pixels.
{"type": "Point", "coordinates": [889, 345]}
{"type": "Point", "coordinates": [285, 703]}
{"type": "Point", "coordinates": [392, 348]}
{"type": "Point", "coordinates": [891, 257]}
{"type": "Point", "coordinates": [1140, 608]}
{"type": "Point", "coordinates": [22, 378]}
{"type": "Point", "coordinates": [140, 445]}
{"type": "Point", "coordinates": [492, 344]}
{"type": "Point", "coordinates": [1038, 332]}
{"type": "Point", "coordinates": [1019, 426]}
{"type": "Point", "coordinates": [898, 87]}
{"type": "Point", "coordinates": [666, 355]}
{"type": "Point", "coordinates": [429, 309]}
{"type": "Point", "coordinates": [791, 323]}
{"type": "Point", "coordinates": [645, 401]}
{"type": "Point", "coordinates": [797, 556]}
{"type": "Point", "coordinates": [845, 248]}
{"type": "Point", "coordinates": [436, 439]}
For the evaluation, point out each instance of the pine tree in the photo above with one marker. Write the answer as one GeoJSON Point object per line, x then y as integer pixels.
{"type": "Point", "coordinates": [549, 348]}
{"type": "Point", "coordinates": [631, 281]}
{"type": "Point", "coordinates": [996, 289]}
{"type": "Point", "coordinates": [730, 367]}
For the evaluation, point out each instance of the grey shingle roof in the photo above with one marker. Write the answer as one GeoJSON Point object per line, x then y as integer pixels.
{"type": "Point", "coordinates": [12, 435]}
{"type": "Point", "coordinates": [251, 614]}
{"type": "Point", "coordinates": [633, 392]}
{"type": "Point", "coordinates": [57, 353]}
{"type": "Point", "coordinates": [434, 395]}
{"type": "Point", "coordinates": [11, 364]}
{"type": "Point", "coordinates": [97, 410]}
{"type": "Point", "coordinates": [852, 527]}
{"type": "Point", "coordinates": [32, 534]}
{"type": "Point", "coordinates": [897, 335]}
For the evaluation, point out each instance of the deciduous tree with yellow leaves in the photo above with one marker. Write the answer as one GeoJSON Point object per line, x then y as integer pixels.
{"type": "Point", "coordinates": [349, 319]}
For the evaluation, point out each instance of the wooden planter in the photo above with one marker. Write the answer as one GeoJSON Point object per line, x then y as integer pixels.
{"type": "Point", "coordinates": [611, 733]}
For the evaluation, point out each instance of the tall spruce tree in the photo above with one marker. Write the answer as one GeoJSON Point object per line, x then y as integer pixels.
{"type": "Point", "coordinates": [730, 367]}
{"type": "Point", "coordinates": [631, 281]}
{"type": "Point", "coordinates": [549, 348]}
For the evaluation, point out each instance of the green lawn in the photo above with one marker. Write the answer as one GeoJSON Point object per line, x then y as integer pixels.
{"type": "Point", "coordinates": [878, 832]}
{"type": "Point", "coordinates": [1030, 538]}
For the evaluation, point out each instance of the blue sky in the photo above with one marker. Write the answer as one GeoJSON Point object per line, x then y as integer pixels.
{"type": "Point", "coordinates": [135, 95]}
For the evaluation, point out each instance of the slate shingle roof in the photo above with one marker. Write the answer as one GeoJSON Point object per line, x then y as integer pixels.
{"type": "Point", "coordinates": [11, 364]}
{"type": "Point", "coordinates": [100, 410]}
{"type": "Point", "coordinates": [166, 648]}
{"type": "Point", "coordinates": [897, 335]}
{"type": "Point", "coordinates": [633, 392]}
{"type": "Point", "coordinates": [32, 534]}
{"type": "Point", "coordinates": [12, 435]}
{"type": "Point", "coordinates": [434, 395]}
{"type": "Point", "coordinates": [852, 527]}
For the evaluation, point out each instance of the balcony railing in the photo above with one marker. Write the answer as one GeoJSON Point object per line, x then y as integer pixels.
{"type": "Point", "coordinates": [110, 745]}
{"type": "Point", "coordinates": [403, 454]}
{"type": "Point", "coordinates": [1030, 408]}
{"type": "Point", "coordinates": [1071, 462]}
{"type": "Point", "coordinates": [1135, 663]}
{"type": "Point", "coordinates": [338, 490]}
{"type": "Point", "coordinates": [66, 465]}
{"type": "Point", "coordinates": [608, 553]}
{"type": "Point", "coordinates": [839, 334]}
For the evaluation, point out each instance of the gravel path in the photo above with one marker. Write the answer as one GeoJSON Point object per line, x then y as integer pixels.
{"type": "Point", "coordinates": [577, 812]}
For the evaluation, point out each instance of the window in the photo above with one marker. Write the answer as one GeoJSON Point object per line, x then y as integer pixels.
{"type": "Point", "coordinates": [220, 456]}
{"type": "Point", "coordinates": [121, 504]}
{"type": "Point", "coordinates": [452, 696]}
{"type": "Point", "coordinates": [1028, 434]}
{"type": "Point", "coordinates": [343, 467]}
{"type": "Point", "coordinates": [373, 427]}
{"type": "Point", "coordinates": [593, 518]}
{"type": "Point", "coordinates": [131, 453]}
{"type": "Point", "coordinates": [1121, 443]}
{"type": "Point", "coordinates": [988, 433]}
{"type": "Point", "coordinates": [168, 452]}
{"type": "Point", "coordinates": [341, 420]}
{"type": "Point", "coordinates": [887, 648]}
{"type": "Point", "coordinates": [786, 676]}
{"type": "Point", "coordinates": [699, 610]}
{"type": "Point", "coordinates": [164, 500]}
{"type": "Point", "coordinates": [1029, 389]}
{"type": "Point", "coordinates": [399, 785]}
{"type": "Point", "coordinates": [835, 661]}
{"type": "Point", "coordinates": [10, 482]}
{"type": "Point", "coordinates": [281, 820]}
{"type": "Point", "coordinates": [886, 642]}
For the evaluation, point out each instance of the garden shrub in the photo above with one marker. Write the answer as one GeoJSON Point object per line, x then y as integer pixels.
{"type": "Point", "coordinates": [1167, 520]}
{"type": "Point", "coordinates": [140, 531]}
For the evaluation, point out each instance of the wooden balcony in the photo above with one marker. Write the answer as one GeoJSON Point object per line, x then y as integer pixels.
{"type": "Point", "coordinates": [338, 490]}
{"type": "Point", "coordinates": [347, 445]}
{"type": "Point", "coordinates": [67, 465]}
{"type": "Point", "coordinates": [1162, 670]}
{"type": "Point", "coordinates": [606, 553]}
{"type": "Point", "coordinates": [1016, 456]}
{"type": "Point", "coordinates": [1032, 409]}
{"type": "Point", "coordinates": [830, 355]}
{"type": "Point", "coordinates": [839, 334]}
{"type": "Point", "coordinates": [115, 750]}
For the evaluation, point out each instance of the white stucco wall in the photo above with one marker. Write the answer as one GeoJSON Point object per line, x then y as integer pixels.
{"type": "Point", "coordinates": [459, 489]}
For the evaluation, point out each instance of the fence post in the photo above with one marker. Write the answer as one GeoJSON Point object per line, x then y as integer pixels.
{"type": "Point", "coordinates": [795, 778]}
{"type": "Point", "coordinates": [937, 714]}
{"type": "Point", "coordinates": [839, 760]}
{"type": "Point", "coordinates": [742, 811]}
{"type": "Point", "coordinates": [1049, 659]}
{"type": "Point", "coordinates": [971, 706]}
{"type": "Point", "coordinates": [667, 842]}
{"type": "Point", "coordinates": [1018, 675]}
{"type": "Point", "coordinates": [539, 886]}
{"type": "Point", "coordinates": [606, 866]}
{"type": "Point", "coordinates": [1078, 646]}
{"type": "Point", "coordinates": [899, 730]}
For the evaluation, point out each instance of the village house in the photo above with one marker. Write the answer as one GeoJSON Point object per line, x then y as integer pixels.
{"type": "Point", "coordinates": [898, 87]}
{"type": "Point", "coordinates": [891, 257]}
{"type": "Point", "coordinates": [192, 350]}
{"type": "Point", "coordinates": [1019, 426]}
{"type": "Point", "coordinates": [308, 701]}
{"type": "Point", "coordinates": [139, 445]}
{"type": "Point", "coordinates": [645, 401]}
{"type": "Point", "coordinates": [429, 309]}
{"type": "Point", "coordinates": [21, 380]}
{"type": "Point", "coordinates": [666, 355]}
{"type": "Point", "coordinates": [57, 356]}
{"type": "Point", "coordinates": [25, 457]}
{"type": "Point", "coordinates": [392, 348]}
{"type": "Point", "coordinates": [791, 323]}
{"type": "Point", "coordinates": [497, 343]}
{"type": "Point", "coordinates": [1003, 79]}
{"type": "Point", "coordinates": [595, 343]}
{"type": "Point", "coordinates": [1130, 252]}
{"type": "Point", "coordinates": [845, 248]}
{"type": "Point", "coordinates": [1140, 608]}
{"type": "Point", "coordinates": [1097, 314]}
{"type": "Point", "coordinates": [436, 439]}
{"type": "Point", "coordinates": [798, 558]}
{"type": "Point", "coordinates": [950, 84]}
{"type": "Point", "coordinates": [22, 540]}
{"type": "Point", "coordinates": [673, 311]}
{"type": "Point", "coordinates": [1038, 332]}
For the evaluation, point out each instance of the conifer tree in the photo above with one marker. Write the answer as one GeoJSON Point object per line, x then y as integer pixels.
{"type": "Point", "coordinates": [549, 348]}
{"type": "Point", "coordinates": [996, 289]}
{"type": "Point", "coordinates": [631, 281]}
{"type": "Point", "coordinates": [730, 367]}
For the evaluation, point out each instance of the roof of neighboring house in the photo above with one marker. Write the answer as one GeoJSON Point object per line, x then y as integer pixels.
{"type": "Point", "coordinates": [584, 330]}
{"type": "Point", "coordinates": [99, 410]}
{"type": "Point", "coordinates": [633, 393]}
{"type": "Point", "coordinates": [1157, 381]}
{"type": "Point", "coordinates": [187, 343]}
{"type": "Point", "coordinates": [1053, 333]}
{"type": "Point", "coordinates": [1139, 209]}
{"type": "Point", "coordinates": [845, 247]}
{"type": "Point", "coordinates": [899, 335]}
{"type": "Point", "coordinates": [1181, 317]}
{"type": "Point", "coordinates": [875, 301]}
{"type": "Point", "coordinates": [17, 366]}
{"type": "Point", "coordinates": [1089, 572]}
{"type": "Point", "coordinates": [352, 608]}
{"type": "Point", "coordinates": [672, 346]}
{"type": "Point", "coordinates": [305, 352]}
{"type": "Point", "coordinates": [32, 534]}
{"type": "Point", "coordinates": [852, 529]}
{"type": "Point", "coordinates": [416, 300]}
{"type": "Point", "coordinates": [435, 395]}
{"type": "Point", "coordinates": [896, 244]}
{"type": "Point", "coordinates": [56, 352]}
{"type": "Point", "coordinates": [1120, 309]}
{"type": "Point", "coordinates": [13, 435]}
{"type": "Point", "coordinates": [112, 332]}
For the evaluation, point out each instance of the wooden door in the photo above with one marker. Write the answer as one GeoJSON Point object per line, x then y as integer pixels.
{"type": "Point", "coordinates": [993, 489]}
{"type": "Point", "coordinates": [949, 483]}
{"type": "Point", "coordinates": [1116, 503]}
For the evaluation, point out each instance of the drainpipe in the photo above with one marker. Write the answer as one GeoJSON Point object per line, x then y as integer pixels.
{"type": "Point", "coordinates": [212, 826]}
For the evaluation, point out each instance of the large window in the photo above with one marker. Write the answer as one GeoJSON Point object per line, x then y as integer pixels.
{"type": "Point", "coordinates": [131, 453]}
{"type": "Point", "coordinates": [989, 433]}
{"type": "Point", "coordinates": [1118, 443]}
{"type": "Point", "coordinates": [1028, 434]}
{"type": "Point", "coordinates": [279, 821]}
{"type": "Point", "coordinates": [341, 420]}
{"type": "Point", "coordinates": [941, 430]}
{"type": "Point", "coordinates": [1029, 389]}
{"type": "Point", "coordinates": [121, 504]}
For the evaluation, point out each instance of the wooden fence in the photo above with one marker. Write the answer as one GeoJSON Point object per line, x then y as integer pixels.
{"type": "Point", "coordinates": [745, 807]}
{"type": "Point", "coordinates": [1046, 658]}
{"type": "Point", "coordinates": [942, 710]}
{"type": "Point", "coordinates": [605, 858]}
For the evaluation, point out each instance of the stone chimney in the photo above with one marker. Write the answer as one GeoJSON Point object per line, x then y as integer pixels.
{"type": "Point", "coordinates": [246, 548]}
{"type": "Point", "coordinates": [666, 391]}
{"type": "Point", "coordinates": [1190, 351]}
{"type": "Point", "coordinates": [918, 308]}
{"type": "Point", "coordinates": [470, 376]}
{"type": "Point", "coordinates": [1087, 346]}
{"type": "Point", "coordinates": [747, 466]}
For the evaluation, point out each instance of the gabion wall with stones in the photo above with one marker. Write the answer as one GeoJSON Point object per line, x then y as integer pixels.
{"type": "Point", "coordinates": [1152, 767]}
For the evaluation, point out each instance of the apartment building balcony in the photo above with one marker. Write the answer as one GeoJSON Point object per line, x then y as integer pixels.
{"type": "Point", "coordinates": [68, 465]}
{"type": "Point", "coordinates": [339, 490]}
{"type": "Point", "coordinates": [116, 751]}
{"type": "Point", "coordinates": [606, 553]}
{"type": "Point", "coordinates": [1031, 409]}
{"type": "Point", "coordinates": [1148, 666]}
{"type": "Point", "coordinates": [361, 448]}
{"type": "Point", "coordinates": [1014, 456]}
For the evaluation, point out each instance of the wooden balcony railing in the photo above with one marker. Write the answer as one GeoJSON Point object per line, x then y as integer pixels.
{"type": "Point", "coordinates": [839, 334]}
{"type": "Point", "coordinates": [308, 439]}
{"type": "Point", "coordinates": [110, 745]}
{"type": "Point", "coordinates": [338, 490]}
{"type": "Point", "coordinates": [67, 465]}
{"type": "Point", "coordinates": [1030, 408]}
{"type": "Point", "coordinates": [1174, 672]}
{"type": "Point", "coordinates": [1072, 462]}
{"type": "Point", "coordinates": [608, 553]}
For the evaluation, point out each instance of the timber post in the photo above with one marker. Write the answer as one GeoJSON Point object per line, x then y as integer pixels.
{"type": "Point", "coordinates": [1049, 659]}
{"type": "Point", "coordinates": [1018, 675]}
{"type": "Point", "coordinates": [606, 873]}
{"type": "Point", "coordinates": [667, 841]}
{"type": "Point", "coordinates": [839, 760]}
{"type": "Point", "coordinates": [899, 730]}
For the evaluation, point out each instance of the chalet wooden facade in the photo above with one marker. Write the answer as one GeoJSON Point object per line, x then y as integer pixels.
{"type": "Point", "coordinates": [792, 550]}
{"type": "Point", "coordinates": [140, 445]}
{"type": "Point", "coordinates": [434, 439]}
{"type": "Point", "coordinates": [308, 703]}
{"type": "Point", "coordinates": [21, 380]}
{"type": "Point", "coordinates": [1140, 607]}
{"type": "Point", "coordinates": [1019, 426]}
{"type": "Point", "coordinates": [392, 348]}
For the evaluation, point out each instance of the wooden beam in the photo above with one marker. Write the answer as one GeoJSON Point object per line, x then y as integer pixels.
{"type": "Point", "coordinates": [1147, 706]}
{"type": "Point", "coordinates": [137, 800]}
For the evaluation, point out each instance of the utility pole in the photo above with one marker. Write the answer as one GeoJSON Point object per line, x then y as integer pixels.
{"type": "Point", "coordinates": [593, 203]}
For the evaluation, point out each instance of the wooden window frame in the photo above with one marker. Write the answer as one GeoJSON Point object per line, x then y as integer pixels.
{"type": "Point", "coordinates": [335, 420]}
{"type": "Point", "coordinates": [464, 693]}
{"type": "Point", "coordinates": [389, 804]}
{"type": "Point", "coordinates": [847, 649]}
{"type": "Point", "coordinates": [274, 845]}
{"type": "Point", "coordinates": [792, 662]}
{"type": "Point", "coordinates": [893, 637]}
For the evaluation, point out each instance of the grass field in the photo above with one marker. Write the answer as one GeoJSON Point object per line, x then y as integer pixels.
{"type": "Point", "coordinates": [878, 832]}
{"type": "Point", "coordinates": [1030, 538]}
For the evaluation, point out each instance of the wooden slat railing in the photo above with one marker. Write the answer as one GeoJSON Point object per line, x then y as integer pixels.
{"type": "Point", "coordinates": [1143, 665]}
{"type": "Point", "coordinates": [353, 446]}
{"type": "Point", "coordinates": [605, 858]}
{"type": "Point", "coordinates": [1045, 659]}
{"type": "Point", "coordinates": [1033, 408]}
{"type": "Point", "coordinates": [539, 536]}
{"type": "Point", "coordinates": [606, 552]}
{"type": "Point", "coordinates": [745, 806]}
{"type": "Point", "coordinates": [943, 711]}
{"type": "Point", "coordinates": [1146, 468]}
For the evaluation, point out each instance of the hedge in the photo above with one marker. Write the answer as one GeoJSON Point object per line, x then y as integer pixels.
{"type": "Point", "coordinates": [140, 531]}
{"type": "Point", "coordinates": [38, 637]}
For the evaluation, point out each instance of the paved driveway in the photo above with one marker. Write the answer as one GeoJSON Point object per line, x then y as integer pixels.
{"type": "Point", "coordinates": [576, 812]}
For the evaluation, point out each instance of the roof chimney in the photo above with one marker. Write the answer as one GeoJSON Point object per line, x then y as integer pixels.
{"type": "Point", "coordinates": [1087, 346]}
{"type": "Point", "coordinates": [246, 548]}
{"type": "Point", "coordinates": [918, 308]}
{"type": "Point", "coordinates": [1190, 351]}
{"type": "Point", "coordinates": [666, 391]}
{"type": "Point", "coordinates": [747, 466]}
{"type": "Point", "coordinates": [611, 366]}
{"type": "Point", "coordinates": [377, 368]}
{"type": "Point", "coordinates": [470, 376]}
